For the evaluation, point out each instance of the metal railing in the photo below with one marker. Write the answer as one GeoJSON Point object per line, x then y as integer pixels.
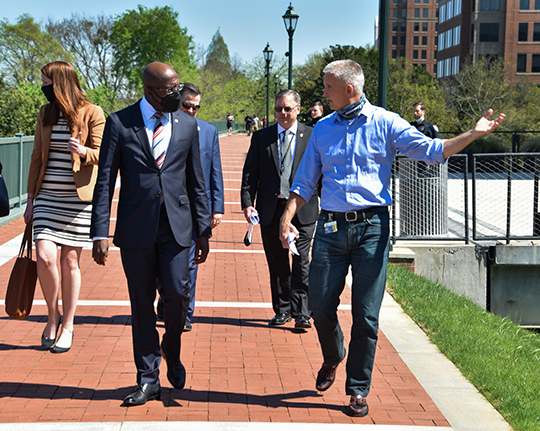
{"type": "Point", "coordinates": [15, 154]}
{"type": "Point", "coordinates": [497, 201]}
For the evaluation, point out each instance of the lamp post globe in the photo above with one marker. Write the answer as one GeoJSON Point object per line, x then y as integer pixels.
{"type": "Point", "coordinates": [290, 19]}
{"type": "Point", "coordinates": [267, 53]}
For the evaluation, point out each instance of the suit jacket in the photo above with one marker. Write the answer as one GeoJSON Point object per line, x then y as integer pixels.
{"type": "Point", "coordinates": [211, 166]}
{"type": "Point", "coordinates": [261, 175]}
{"type": "Point", "coordinates": [84, 171]}
{"type": "Point", "coordinates": [125, 148]}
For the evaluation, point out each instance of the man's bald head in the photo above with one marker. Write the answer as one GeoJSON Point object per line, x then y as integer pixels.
{"type": "Point", "coordinates": [160, 81]}
{"type": "Point", "coordinates": [157, 72]}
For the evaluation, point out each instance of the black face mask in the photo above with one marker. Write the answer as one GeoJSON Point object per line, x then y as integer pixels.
{"type": "Point", "coordinates": [48, 91]}
{"type": "Point", "coordinates": [171, 102]}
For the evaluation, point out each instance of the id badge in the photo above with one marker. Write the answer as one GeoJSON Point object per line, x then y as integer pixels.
{"type": "Point", "coordinates": [330, 227]}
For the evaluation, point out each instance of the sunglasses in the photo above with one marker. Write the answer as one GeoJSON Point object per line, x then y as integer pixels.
{"type": "Point", "coordinates": [284, 108]}
{"type": "Point", "coordinates": [188, 106]}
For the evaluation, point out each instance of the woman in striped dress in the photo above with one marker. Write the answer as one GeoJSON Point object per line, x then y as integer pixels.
{"type": "Point", "coordinates": [61, 182]}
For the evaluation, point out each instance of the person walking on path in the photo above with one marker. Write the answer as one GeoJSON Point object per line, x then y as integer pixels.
{"type": "Point", "coordinates": [353, 149]}
{"type": "Point", "coordinates": [155, 147]}
{"type": "Point", "coordinates": [273, 157]}
{"type": "Point", "coordinates": [213, 178]}
{"type": "Point", "coordinates": [249, 121]}
{"type": "Point", "coordinates": [230, 120]}
{"type": "Point", "coordinates": [61, 180]}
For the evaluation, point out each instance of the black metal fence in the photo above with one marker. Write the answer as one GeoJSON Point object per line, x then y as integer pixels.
{"type": "Point", "coordinates": [497, 201]}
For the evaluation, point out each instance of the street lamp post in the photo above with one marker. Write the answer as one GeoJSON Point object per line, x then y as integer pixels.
{"type": "Point", "coordinates": [276, 82]}
{"type": "Point", "coordinates": [267, 52]}
{"type": "Point", "coordinates": [290, 19]}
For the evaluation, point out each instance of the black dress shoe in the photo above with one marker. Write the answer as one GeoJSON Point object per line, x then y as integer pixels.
{"type": "Point", "coordinates": [187, 326]}
{"type": "Point", "coordinates": [302, 322]}
{"type": "Point", "coordinates": [176, 373]}
{"type": "Point", "coordinates": [47, 343]}
{"type": "Point", "coordinates": [280, 319]}
{"type": "Point", "coordinates": [144, 392]}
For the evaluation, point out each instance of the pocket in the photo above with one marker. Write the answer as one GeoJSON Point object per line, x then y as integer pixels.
{"type": "Point", "coordinates": [381, 220]}
{"type": "Point", "coordinates": [183, 200]}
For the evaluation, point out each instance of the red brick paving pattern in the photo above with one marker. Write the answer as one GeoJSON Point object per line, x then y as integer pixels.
{"type": "Point", "coordinates": [239, 369]}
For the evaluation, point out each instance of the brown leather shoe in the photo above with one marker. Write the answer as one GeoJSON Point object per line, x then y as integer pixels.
{"type": "Point", "coordinates": [358, 406]}
{"type": "Point", "coordinates": [326, 377]}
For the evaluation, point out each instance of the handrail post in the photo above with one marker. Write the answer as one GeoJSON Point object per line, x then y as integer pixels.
{"type": "Point", "coordinates": [20, 136]}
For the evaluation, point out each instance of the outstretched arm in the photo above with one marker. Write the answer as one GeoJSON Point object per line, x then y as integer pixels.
{"type": "Point", "coordinates": [483, 127]}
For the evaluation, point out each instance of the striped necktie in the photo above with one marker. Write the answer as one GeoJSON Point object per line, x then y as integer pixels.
{"type": "Point", "coordinates": [159, 146]}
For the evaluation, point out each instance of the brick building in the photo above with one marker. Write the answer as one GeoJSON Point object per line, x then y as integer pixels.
{"type": "Point", "coordinates": [413, 32]}
{"type": "Point", "coordinates": [507, 29]}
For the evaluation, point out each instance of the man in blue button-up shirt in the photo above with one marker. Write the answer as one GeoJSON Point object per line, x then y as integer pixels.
{"type": "Point", "coordinates": [353, 149]}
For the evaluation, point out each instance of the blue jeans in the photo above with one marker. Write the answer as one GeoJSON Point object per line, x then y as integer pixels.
{"type": "Point", "coordinates": [364, 246]}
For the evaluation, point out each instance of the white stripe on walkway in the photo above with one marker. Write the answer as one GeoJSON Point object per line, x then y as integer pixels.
{"type": "Point", "coordinates": [198, 304]}
{"type": "Point", "coordinates": [207, 426]}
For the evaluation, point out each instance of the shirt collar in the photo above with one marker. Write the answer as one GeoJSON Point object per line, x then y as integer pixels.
{"type": "Point", "coordinates": [148, 110]}
{"type": "Point", "coordinates": [293, 129]}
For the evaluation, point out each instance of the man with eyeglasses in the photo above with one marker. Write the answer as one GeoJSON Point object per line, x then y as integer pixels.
{"type": "Point", "coordinates": [353, 149]}
{"type": "Point", "coordinates": [270, 166]}
{"type": "Point", "coordinates": [213, 178]}
{"type": "Point", "coordinates": [155, 147]}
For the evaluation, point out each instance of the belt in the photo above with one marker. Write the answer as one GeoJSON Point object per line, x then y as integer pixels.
{"type": "Point", "coordinates": [356, 216]}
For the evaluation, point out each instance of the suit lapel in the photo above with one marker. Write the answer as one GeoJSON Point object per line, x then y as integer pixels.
{"type": "Point", "coordinates": [175, 138]}
{"type": "Point", "coordinates": [140, 131]}
{"type": "Point", "coordinates": [274, 148]}
{"type": "Point", "coordinates": [301, 145]}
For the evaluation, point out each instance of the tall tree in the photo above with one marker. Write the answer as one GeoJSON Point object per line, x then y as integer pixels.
{"type": "Point", "coordinates": [218, 60]}
{"type": "Point", "coordinates": [482, 85]}
{"type": "Point", "coordinates": [407, 85]}
{"type": "Point", "coordinates": [87, 39]}
{"type": "Point", "coordinates": [142, 36]}
{"type": "Point", "coordinates": [25, 48]}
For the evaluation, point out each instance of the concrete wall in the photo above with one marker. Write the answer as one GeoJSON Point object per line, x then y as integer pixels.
{"type": "Point", "coordinates": [461, 268]}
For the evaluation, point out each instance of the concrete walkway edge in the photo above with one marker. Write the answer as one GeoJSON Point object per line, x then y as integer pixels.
{"type": "Point", "coordinates": [463, 406]}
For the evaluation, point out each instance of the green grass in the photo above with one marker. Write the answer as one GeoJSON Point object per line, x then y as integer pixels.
{"type": "Point", "coordinates": [497, 356]}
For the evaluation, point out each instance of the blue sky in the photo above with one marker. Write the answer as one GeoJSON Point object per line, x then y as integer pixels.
{"type": "Point", "coordinates": [246, 26]}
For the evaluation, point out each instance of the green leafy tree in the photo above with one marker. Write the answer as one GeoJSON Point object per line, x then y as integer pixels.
{"type": "Point", "coordinates": [88, 41]}
{"type": "Point", "coordinates": [19, 108]}
{"type": "Point", "coordinates": [144, 35]}
{"type": "Point", "coordinates": [483, 85]}
{"type": "Point", "coordinates": [25, 48]}
{"type": "Point", "coordinates": [218, 60]}
{"type": "Point", "coordinates": [408, 85]}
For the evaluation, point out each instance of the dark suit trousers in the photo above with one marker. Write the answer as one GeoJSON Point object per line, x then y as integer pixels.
{"type": "Point", "coordinates": [289, 285]}
{"type": "Point", "coordinates": [168, 261]}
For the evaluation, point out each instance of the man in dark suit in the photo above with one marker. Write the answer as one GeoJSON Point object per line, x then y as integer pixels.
{"type": "Point", "coordinates": [213, 178]}
{"type": "Point", "coordinates": [155, 148]}
{"type": "Point", "coordinates": [267, 177]}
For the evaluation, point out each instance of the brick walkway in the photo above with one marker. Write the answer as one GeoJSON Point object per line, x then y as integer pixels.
{"type": "Point", "coordinates": [239, 369]}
